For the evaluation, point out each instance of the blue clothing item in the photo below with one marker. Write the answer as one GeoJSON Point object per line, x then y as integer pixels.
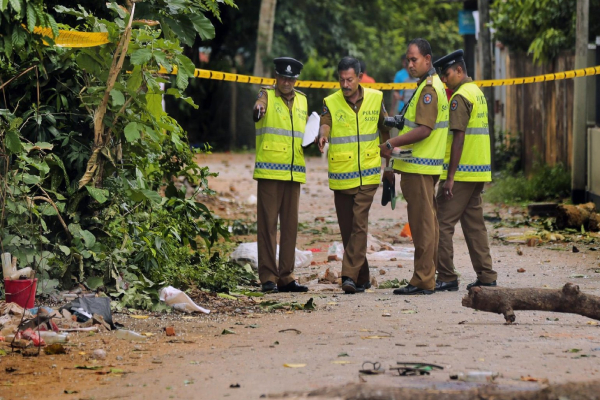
{"type": "Point", "coordinates": [402, 76]}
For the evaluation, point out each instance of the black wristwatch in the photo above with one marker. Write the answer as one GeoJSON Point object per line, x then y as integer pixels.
{"type": "Point", "coordinates": [388, 145]}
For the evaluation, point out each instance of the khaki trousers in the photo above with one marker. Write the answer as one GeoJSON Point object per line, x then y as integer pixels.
{"type": "Point", "coordinates": [419, 192]}
{"type": "Point", "coordinates": [277, 200]}
{"type": "Point", "coordinates": [465, 206]}
{"type": "Point", "coordinates": [352, 207]}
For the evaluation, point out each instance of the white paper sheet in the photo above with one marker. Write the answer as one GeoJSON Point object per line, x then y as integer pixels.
{"type": "Point", "coordinates": [312, 129]}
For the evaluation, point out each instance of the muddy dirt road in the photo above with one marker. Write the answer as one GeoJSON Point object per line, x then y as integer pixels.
{"type": "Point", "coordinates": [326, 347]}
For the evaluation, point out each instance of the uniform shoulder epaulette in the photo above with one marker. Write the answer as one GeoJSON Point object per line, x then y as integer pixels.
{"type": "Point", "coordinates": [302, 93]}
{"type": "Point", "coordinates": [429, 81]}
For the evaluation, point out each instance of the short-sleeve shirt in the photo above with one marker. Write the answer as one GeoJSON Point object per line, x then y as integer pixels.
{"type": "Point", "coordinates": [326, 115]}
{"type": "Point", "coordinates": [460, 111]}
{"type": "Point", "coordinates": [427, 105]}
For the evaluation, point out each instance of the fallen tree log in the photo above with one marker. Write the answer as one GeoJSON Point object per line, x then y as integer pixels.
{"type": "Point", "coordinates": [506, 301]}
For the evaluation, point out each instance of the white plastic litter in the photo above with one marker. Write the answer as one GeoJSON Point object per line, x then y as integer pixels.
{"type": "Point", "coordinates": [7, 267]}
{"type": "Point", "coordinates": [251, 200]}
{"type": "Point", "coordinates": [399, 253]}
{"type": "Point", "coordinates": [247, 253]}
{"type": "Point", "coordinates": [179, 300]}
{"type": "Point", "coordinates": [337, 249]}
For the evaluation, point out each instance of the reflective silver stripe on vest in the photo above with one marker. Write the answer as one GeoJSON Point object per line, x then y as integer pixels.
{"type": "Point", "coordinates": [353, 139]}
{"type": "Point", "coordinates": [474, 131]}
{"type": "Point", "coordinates": [438, 125]}
{"type": "Point", "coordinates": [278, 131]}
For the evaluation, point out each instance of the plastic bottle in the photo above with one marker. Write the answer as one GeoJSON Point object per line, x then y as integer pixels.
{"type": "Point", "coordinates": [476, 376]}
{"type": "Point", "coordinates": [51, 337]}
{"type": "Point", "coordinates": [129, 335]}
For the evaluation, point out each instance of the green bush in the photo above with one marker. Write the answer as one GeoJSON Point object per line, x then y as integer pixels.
{"type": "Point", "coordinates": [546, 183]}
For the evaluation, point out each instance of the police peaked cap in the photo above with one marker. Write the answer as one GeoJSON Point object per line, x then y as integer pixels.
{"type": "Point", "coordinates": [287, 66]}
{"type": "Point", "coordinates": [449, 60]}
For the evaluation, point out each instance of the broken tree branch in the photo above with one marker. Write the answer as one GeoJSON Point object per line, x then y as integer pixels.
{"type": "Point", "coordinates": [505, 301]}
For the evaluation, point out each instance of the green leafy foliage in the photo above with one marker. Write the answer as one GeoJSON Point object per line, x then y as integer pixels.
{"type": "Point", "coordinates": [545, 183]}
{"type": "Point", "coordinates": [540, 27]}
{"type": "Point", "coordinates": [133, 227]}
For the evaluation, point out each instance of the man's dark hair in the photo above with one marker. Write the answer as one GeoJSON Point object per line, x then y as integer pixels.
{"type": "Point", "coordinates": [363, 66]}
{"type": "Point", "coordinates": [423, 46]}
{"type": "Point", "coordinates": [349, 62]}
{"type": "Point", "coordinates": [461, 64]}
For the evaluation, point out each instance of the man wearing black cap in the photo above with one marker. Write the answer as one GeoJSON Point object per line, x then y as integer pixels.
{"type": "Point", "coordinates": [350, 122]}
{"type": "Point", "coordinates": [466, 168]}
{"type": "Point", "coordinates": [280, 114]}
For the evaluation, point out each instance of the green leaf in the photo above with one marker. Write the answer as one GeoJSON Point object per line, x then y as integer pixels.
{"type": "Point", "coordinates": [94, 282]}
{"type": "Point", "coordinates": [13, 142]}
{"type": "Point", "coordinates": [65, 249]}
{"type": "Point", "coordinates": [16, 5]}
{"type": "Point", "coordinates": [88, 238]}
{"type": "Point", "coordinates": [31, 18]}
{"type": "Point", "coordinates": [141, 56]}
{"type": "Point", "coordinates": [132, 132]}
{"type": "Point", "coordinates": [151, 195]}
{"type": "Point", "coordinates": [3, 5]}
{"type": "Point", "coordinates": [117, 97]}
{"type": "Point", "coordinates": [100, 195]}
{"type": "Point", "coordinates": [202, 25]}
{"type": "Point", "coordinates": [29, 179]}
{"type": "Point", "coordinates": [154, 104]}
{"type": "Point", "coordinates": [135, 79]}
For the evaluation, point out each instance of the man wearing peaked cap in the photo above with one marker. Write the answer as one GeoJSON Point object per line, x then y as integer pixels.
{"type": "Point", "coordinates": [287, 66]}
{"type": "Point", "coordinates": [466, 169]}
{"type": "Point", "coordinates": [280, 114]}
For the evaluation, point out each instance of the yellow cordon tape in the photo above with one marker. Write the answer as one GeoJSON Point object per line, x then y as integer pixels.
{"type": "Point", "coordinates": [74, 38]}
{"type": "Point", "coordinates": [91, 39]}
{"type": "Point", "coordinates": [224, 76]}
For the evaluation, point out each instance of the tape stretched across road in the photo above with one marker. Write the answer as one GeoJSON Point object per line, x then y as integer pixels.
{"type": "Point", "coordinates": [91, 39]}
{"type": "Point", "coordinates": [224, 76]}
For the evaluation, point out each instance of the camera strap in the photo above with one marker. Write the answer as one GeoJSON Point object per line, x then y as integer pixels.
{"type": "Point", "coordinates": [403, 111]}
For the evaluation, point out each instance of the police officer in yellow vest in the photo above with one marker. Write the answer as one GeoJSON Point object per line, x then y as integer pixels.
{"type": "Point", "coordinates": [466, 169]}
{"type": "Point", "coordinates": [280, 113]}
{"type": "Point", "coordinates": [349, 122]}
{"type": "Point", "coordinates": [425, 130]}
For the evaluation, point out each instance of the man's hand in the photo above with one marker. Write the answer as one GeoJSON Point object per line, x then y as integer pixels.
{"type": "Point", "coordinates": [389, 175]}
{"type": "Point", "coordinates": [384, 151]}
{"type": "Point", "coordinates": [259, 111]}
{"type": "Point", "coordinates": [321, 141]}
{"type": "Point", "coordinates": [447, 188]}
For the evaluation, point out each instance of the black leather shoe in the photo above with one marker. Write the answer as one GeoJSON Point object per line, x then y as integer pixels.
{"type": "Point", "coordinates": [293, 287]}
{"type": "Point", "coordinates": [363, 287]}
{"type": "Point", "coordinates": [269, 287]}
{"type": "Point", "coordinates": [451, 286]}
{"type": "Point", "coordinates": [410, 290]}
{"type": "Point", "coordinates": [348, 285]}
{"type": "Point", "coordinates": [479, 283]}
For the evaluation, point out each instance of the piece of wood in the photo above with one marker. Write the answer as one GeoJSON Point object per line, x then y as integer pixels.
{"type": "Point", "coordinates": [505, 301]}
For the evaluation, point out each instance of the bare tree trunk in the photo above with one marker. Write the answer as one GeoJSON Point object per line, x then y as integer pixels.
{"type": "Point", "coordinates": [264, 38]}
{"type": "Point", "coordinates": [485, 50]}
{"type": "Point", "coordinates": [505, 301]}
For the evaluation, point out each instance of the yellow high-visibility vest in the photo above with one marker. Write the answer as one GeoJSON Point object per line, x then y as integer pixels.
{"type": "Point", "coordinates": [279, 135]}
{"type": "Point", "coordinates": [475, 161]}
{"type": "Point", "coordinates": [353, 154]}
{"type": "Point", "coordinates": [428, 154]}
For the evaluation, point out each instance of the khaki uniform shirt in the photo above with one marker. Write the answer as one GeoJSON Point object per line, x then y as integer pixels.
{"type": "Point", "coordinates": [427, 112]}
{"type": "Point", "coordinates": [460, 110]}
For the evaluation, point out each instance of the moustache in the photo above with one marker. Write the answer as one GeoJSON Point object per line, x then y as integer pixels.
{"type": "Point", "coordinates": [346, 89]}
